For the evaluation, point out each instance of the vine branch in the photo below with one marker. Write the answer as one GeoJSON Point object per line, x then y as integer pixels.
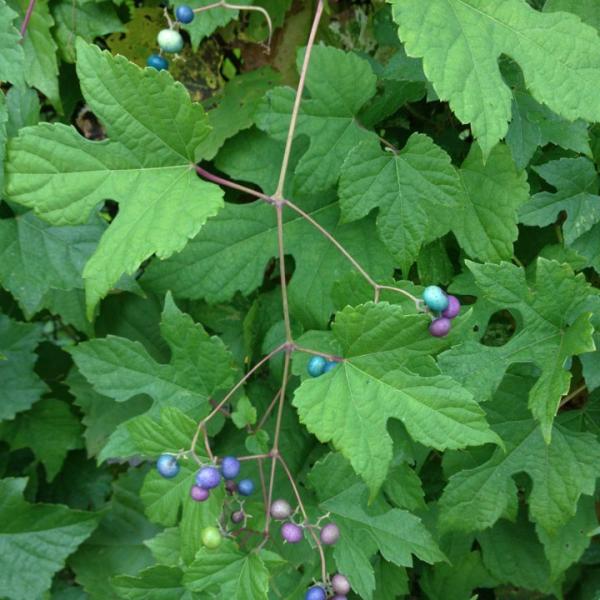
{"type": "Point", "coordinates": [27, 18]}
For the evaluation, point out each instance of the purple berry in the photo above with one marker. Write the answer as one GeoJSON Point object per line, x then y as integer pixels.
{"type": "Point", "coordinates": [167, 466]}
{"type": "Point", "coordinates": [330, 534]}
{"type": "Point", "coordinates": [339, 597]}
{"type": "Point", "coordinates": [281, 510]}
{"type": "Point", "coordinates": [453, 308]}
{"type": "Point", "coordinates": [340, 584]}
{"type": "Point", "coordinates": [292, 533]}
{"type": "Point", "coordinates": [316, 592]}
{"type": "Point", "coordinates": [231, 487]}
{"type": "Point", "coordinates": [199, 494]}
{"type": "Point", "coordinates": [238, 516]}
{"type": "Point", "coordinates": [245, 487]}
{"type": "Point", "coordinates": [440, 327]}
{"type": "Point", "coordinates": [230, 467]}
{"type": "Point", "coordinates": [208, 478]}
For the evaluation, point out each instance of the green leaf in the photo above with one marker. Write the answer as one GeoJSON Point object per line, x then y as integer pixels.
{"type": "Point", "coordinates": [461, 41]}
{"type": "Point", "coordinates": [50, 429]}
{"type": "Point", "coordinates": [11, 51]}
{"type": "Point", "coordinates": [155, 583]}
{"type": "Point", "coordinates": [117, 546]}
{"type": "Point", "coordinates": [338, 84]}
{"type": "Point", "coordinates": [408, 187]}
{"type": "Point", "coordinates": [36, 257]}
{"type": "Point", "coordinates": [231, 253]}
{"type": "Point", "coordinates": [21, 386]}
{"type": "Point", "coordinates": [28, 531]}
{"type": "Point", "coordinates": [378, 342]}
{"type": "Point", "coordinates": [146, 166]}
{"type": "Point", "coordinates": [239, 575]}
{"type": "Point", "coordinates": [205, 23]}
{"type": "Point", "coordinates": [475, 498]}
{"type": "Point", "coordinates": [513, 555]}
{"type": "Point", "coordinates": [586, 10]}
{"type": "Point", "coordinates": [40, 63]}
{"type": "Point", "coordinates": [78, 18]}
{"type": "Point", "coordinates": [534, 125]}
{"type": "Point", "coordinates": [244, 413]}
{"type": "Point", "coordinates": [121, 369]}
{"type": "Point", "coordinates": [403, 487]}
{"type": "Point", "coordinates": [576, 184]}
{"type": "Point", "coordinates": [3, 136]}
{"type": "Point", "coordinates": [23, 107]}
{"type": "Point", "coordinates": [486, 224]}
{"type": "Point", "coordinates": [554, 326]}
{"type": "Point", "coordinates": [235, 107]}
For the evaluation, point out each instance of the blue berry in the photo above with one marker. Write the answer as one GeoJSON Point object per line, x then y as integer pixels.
{"type": "Point", "coordinates": [316, 365]}
{"type": "Point", "coordinates": [167, 465]}
{"type": "Point", "coordinates": [170, 40]}
{"type": "Point", "coordinates": [208, 478]}
{"type": "Point", "coordinates": [184, 14]}
{"type": "Point", "coordinates": [230, 467]}
{"type": "Point", "coordinates": [435, 298]}
{"type": "Point", "coordinates": [316, 592]}
{"type": "Point", "coordinates": [156, 61]}
{"type": "Point", "coordinates": [331, 364]}
{"type": "Point", "coordinates": [245, 487]}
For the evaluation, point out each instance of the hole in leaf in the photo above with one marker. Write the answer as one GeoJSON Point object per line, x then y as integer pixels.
{"type": "Point", "coordinates": [501, 327]}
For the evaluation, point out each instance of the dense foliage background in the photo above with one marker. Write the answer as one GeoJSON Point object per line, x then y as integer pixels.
{"type": "Point", "coordinates": [446, 142]}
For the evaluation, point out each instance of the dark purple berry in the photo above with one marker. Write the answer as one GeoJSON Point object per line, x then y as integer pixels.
{"type": "Point", "coordinates": [238, 516]}
{"type": "Point", "coordinates": [230, 467]}
{"type": "Point", "coordinates": [292, 533]}
{"type": "Point", "coordinates": [339, 597]}
{"type": "Point", "coordinates": [340, 584]}
{"type": "Point", "coordinates": [245, 487]}
{"type": "Point", "coordinates": [167, 466]}
{"type": "Point", "coordinates": [281, 510]}
{"type": "Point", "coordinates": [330, 534]}
{"type": "Point", "coordinates": [453, 308]}
{"type": "Point", "coordinates": [231, 487]}
{"type": "Point", "coordinates": [440, 327]}
{"type": "Point", "coordinates": [208, 478]}
{"type": "Point", "coordinates": [316, 592]}
{"type": "Point", "coordinates": [199, 494]}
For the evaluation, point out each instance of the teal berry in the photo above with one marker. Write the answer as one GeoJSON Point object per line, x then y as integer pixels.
{"type": "Point", "coordinates": [331, 364]}
{"type": "Point", "coordinates": [316, 365]}
{"type": "Point", "coordinates": [170, 40]}
{"type": "Point", "coordinates": [435, 298]}
{"type": "Point", "coordinates": [184, 14]}
{"type": "Point", "coordinates": [167, 466]}
{"type": "Point", "coordinates": [156, 61]}
{"type": "Point", "coordinates": [245, 487]}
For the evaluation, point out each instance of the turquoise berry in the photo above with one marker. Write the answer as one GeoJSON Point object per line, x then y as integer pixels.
{"type": "Point", "coordinates": [331, 364]}
{"type": "Point", "coordinates": [167, 466]}
{"type": "Point", "coordinates": [245, 487]}
{"type": "Point", "coordinates": [435, 298]}
{"type": "Point", "coordinates": [156, 61]}
{"type": "Point", "coordinates": [316, 365]}
{"type": "Point", "coordinates": [170, 40]}
{"type": "Point", "coordinates": [184, 14]}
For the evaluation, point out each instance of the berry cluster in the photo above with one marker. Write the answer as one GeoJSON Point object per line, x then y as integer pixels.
{"type": "Point", "coordinates": [170, 40]}
{"type": "Point", "coordinates": [444, 306]}
{"type": "Point", "coordinates": [318, 365]}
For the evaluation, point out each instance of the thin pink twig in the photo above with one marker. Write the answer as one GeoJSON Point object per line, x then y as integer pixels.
{"type": "Point", "coordinates": [27, 18]}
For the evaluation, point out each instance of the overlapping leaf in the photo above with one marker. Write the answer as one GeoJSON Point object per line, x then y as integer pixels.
{"type": "Point", "coordinates": [28, 531]}
{"type": "Point", "coordinates": [461, 41]}
{"type": "Point", "coordinates": [338, 84]}
{"type": "Point", "coordinates": [11, 52]}
{"type": "Point", "coordinates": [146, 165]}
{"type": "Point", "coordinates": [350, 406]}
{"type": "Point", "coordinates": [554, 326]}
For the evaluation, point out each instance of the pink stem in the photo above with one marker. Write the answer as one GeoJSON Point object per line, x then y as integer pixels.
{"type": "Point", "coordinates": [27, 18]}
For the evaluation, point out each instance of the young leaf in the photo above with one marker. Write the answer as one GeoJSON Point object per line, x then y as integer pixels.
{"type": "Point", "coordinates": [30, 530]}
{"type": "Point", "coordinates": [461, 41]}
{"type": "Point", "coordinates": [158, 582]}
{"type": "Point", "coordinates": [11, 51]}
{"type": "Point", "coordinates": [350, 406]}
{"type": "Point", "coordinates": [146, 165]}
{"type": "Point", "coordinates": [339, 84]}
